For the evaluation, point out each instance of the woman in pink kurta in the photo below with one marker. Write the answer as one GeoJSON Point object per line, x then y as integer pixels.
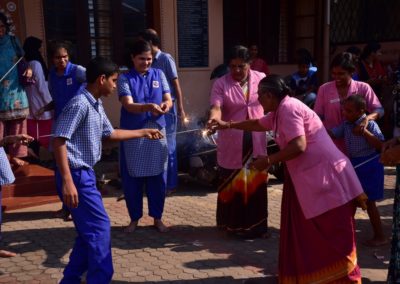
{"type": "Point", "coordinates": [317, 239]}
{"type": "Point", "coordinates": [330, 95]}
{"type": "Point", "coordinates": [257, 63]}
{"type": "Point", "coordinates": [241, 207]}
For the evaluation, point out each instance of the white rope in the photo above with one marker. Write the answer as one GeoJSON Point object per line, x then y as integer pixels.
{"type": "Point", "coordinates": [366, 161]}
{"type": "Point", "coordinates": [12, 67]}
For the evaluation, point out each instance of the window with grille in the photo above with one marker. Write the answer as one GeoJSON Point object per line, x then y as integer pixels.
{"type": "Point", "coordinates": [355, 21]}
{"type": "Point", "coordinates": [100, 28]}
{"type": "Point", "coordinates": [96, 27]}
{"type": "Point", "coordinates": [60, 21]}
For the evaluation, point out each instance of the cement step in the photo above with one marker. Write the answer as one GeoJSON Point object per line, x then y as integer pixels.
{"type": "Point", "coordinates": [34, 185]}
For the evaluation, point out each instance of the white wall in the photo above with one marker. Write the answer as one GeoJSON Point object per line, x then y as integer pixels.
{"type": "Point", "coordinates": [34, 20]}
{"type": "Point", "coordinates": [195, 82]}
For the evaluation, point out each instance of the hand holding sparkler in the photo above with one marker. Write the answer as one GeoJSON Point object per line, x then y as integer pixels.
{"type": "Point", "coordinates": [215, 124]}
{"type": "Point", "coordinates": [155, 109]}
{"type": "Point", "coordinates": [22, 139]}
{"type": "Point", "coordinates": [152, 133]}
{"type": "Point", "coordinates": [185, 120]}
{"type": "Point", "coordinates": [164, 107]}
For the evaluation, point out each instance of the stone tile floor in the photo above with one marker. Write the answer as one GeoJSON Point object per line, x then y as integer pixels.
{"type": "Point", "coordinates": [194, 251]}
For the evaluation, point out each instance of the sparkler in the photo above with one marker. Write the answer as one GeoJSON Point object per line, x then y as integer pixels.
{"type": "Point", "coordinates": [187, 131]}
{"type": "Point", "coordinates": [186, 120]}
{"type": "Point", "coordinates": [43, 136]}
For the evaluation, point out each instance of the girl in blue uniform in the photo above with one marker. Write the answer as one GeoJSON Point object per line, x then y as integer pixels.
{"type": "Point", "coordinates": [65, 79]}
{"type": "Point", "coordinates": [6, 174]}
{"type": "Point", "coordinates": [145, 98]}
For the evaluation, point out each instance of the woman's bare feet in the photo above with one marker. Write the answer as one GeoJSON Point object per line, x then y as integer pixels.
{"type": "Point", "coordinates": [5, 253]}
{"type": "Point", "coordinates": [17, 162]}
{"type": "Point", "coordinates": [131, 227]}
{"type": "Point", "coordinates": [160, 226]}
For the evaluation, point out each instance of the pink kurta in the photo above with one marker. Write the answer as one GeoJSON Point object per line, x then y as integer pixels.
{"type": "Point", "coordinates": [328, 106]}
{"type": "Point", "coordinates": [228, 95]}
{"type": "Point", "coordinates": [323, 176]}
{"type": "Point", "coordinates": [259, 65]}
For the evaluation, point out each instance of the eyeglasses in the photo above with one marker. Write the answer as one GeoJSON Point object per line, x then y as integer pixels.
{"type": "Point", "coordinates": [61, 57]}
{"type": "Point", "coordinates": [240, 66]}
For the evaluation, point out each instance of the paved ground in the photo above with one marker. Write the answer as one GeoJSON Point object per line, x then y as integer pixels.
{"type": "Point", "coordinates": [194, 251]}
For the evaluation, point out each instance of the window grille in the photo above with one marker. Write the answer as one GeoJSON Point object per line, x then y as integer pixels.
{"type": "Point", "coordinates": [355, 21]}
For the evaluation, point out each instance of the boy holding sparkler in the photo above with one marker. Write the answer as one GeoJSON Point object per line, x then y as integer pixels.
{"type": "Point", "coordinates": [77, 147]}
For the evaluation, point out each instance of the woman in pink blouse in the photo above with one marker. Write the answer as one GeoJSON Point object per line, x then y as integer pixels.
{"type": "Point", "coordinates": [317, 238]}
{"type": "Point", "coordinates": [241, 207]}
{"type": "Point", "coordinates": [331, 95]}
{"type": "Point", "coordinates": [257, 63]}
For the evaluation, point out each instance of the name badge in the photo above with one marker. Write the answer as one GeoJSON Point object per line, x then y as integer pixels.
{"type": "Point", "coordinates": [156, 84]}
{"type": "Point", "coordinates": [69, 81]}
{"type": "Point", "coordinates": [332, 101]}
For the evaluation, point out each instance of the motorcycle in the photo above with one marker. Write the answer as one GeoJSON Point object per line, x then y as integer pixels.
{"type": "Point", "coordinates": [197, 154]}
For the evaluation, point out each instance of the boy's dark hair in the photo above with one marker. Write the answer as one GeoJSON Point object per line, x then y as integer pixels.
{"type": "Point", "coordinates": [304, 60]}
{"type": "Point", "coordinates": [304, 53]}
{"type": "Point", "coordinates": [100, 66]}
{"type": "Point", "coordinates": [151, 36]}
{"type": "Point", "coordinates": [370, 48]}
{"type": "Point", "coordinates": [354, 50]}
{"type": "Point", "coordinates": [358, 101]}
